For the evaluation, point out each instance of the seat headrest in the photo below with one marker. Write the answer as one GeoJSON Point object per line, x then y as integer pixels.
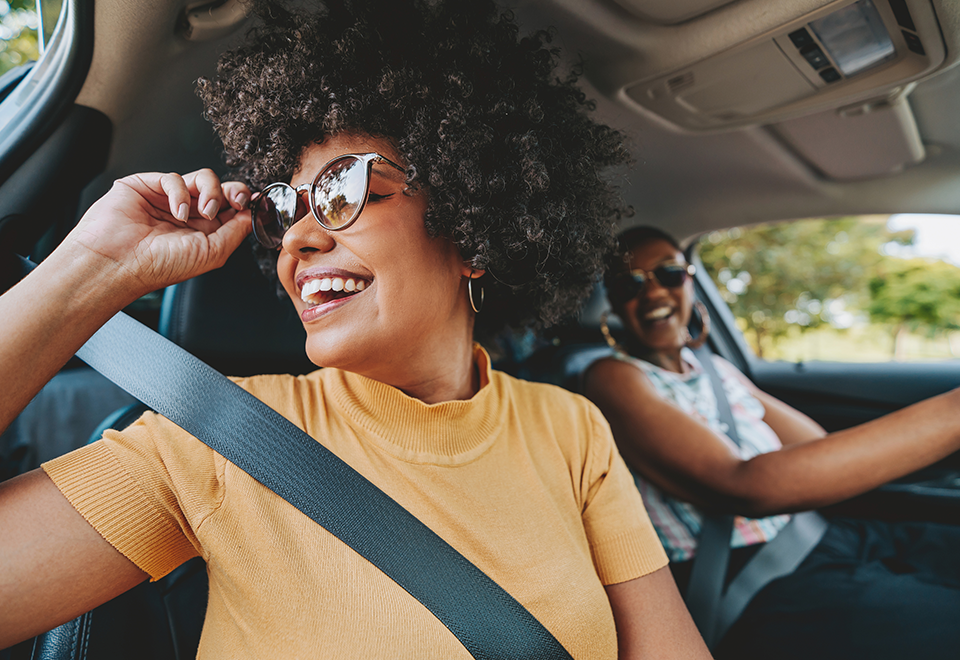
{"type": "Point", "coordinates": [232, 319]}
{"type": "Point", "coordinates": [595, 306]}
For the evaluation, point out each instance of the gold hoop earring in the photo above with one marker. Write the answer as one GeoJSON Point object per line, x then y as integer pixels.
{"type": "Point", "coordinates": [607, 335]}
{"type": "Point", "coordinates": [473, 304]}
{"type": "Point", "coordinates": [701, 339]}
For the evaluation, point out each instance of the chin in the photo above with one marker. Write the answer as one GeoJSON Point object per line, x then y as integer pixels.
{"type": "Point", "coordinates": [331, 349]}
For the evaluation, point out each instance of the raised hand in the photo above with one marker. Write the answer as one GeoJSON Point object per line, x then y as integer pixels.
{"type": "Point", "coordinates": [149, 231]}
{"type": "Point", "coordinates": [153, 229]}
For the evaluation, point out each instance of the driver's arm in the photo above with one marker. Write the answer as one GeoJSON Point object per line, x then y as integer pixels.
{"type": "Point", "coordinates": [687, 459]}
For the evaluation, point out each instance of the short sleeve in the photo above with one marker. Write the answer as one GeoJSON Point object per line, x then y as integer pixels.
{"type": "Point", "coordinates": [146, 490]}
{"type": "Point", "coordinates": [623, 542]}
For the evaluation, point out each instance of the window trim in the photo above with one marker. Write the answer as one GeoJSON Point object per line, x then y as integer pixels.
{"type": "Point", "coordinates": [42, 98]}
{"type": "Point", "coordinates": [725, 337]}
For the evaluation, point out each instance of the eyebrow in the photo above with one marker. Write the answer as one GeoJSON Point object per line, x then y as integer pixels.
{"type": "Point", "coordinates": [385, 171]}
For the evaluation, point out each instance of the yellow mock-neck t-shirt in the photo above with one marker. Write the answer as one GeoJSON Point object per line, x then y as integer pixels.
{"type": "Point", "coordinates": [523, 479]}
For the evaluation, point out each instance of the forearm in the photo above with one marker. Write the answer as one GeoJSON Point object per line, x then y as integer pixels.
{"type": "Point", "coordinates": [849, 462]}
{"type": "Point", "coordinates": [652, 621]}
{"type": "Point", "coordinates": [53, 565]}
{"type": "Point", "coordinates": [46, 317]}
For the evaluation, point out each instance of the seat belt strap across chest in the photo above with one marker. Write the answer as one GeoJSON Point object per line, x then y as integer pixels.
{"type": "Point", "coordinates": [488, 621]}
{"type": "Point", "coordinates": [705, 588]}
{"type": "Point", "coordinates": [713, 609]}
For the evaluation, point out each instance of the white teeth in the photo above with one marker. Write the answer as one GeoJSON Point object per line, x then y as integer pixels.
{"type": "Point", "coordinates": [309, 289]}
{"type": "Point", "coordinates": [659, 313]}
{"type": "Point", "coordinates": [312, 287]}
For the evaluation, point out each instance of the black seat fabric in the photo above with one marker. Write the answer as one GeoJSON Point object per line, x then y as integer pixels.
{"type": "Point", "coordinates": [233, 319]}
{"type": "Point", "coordinates": [579, 345]}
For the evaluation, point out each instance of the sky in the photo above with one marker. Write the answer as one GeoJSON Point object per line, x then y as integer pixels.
{"type": "Point", "coordinates": [938, 236]}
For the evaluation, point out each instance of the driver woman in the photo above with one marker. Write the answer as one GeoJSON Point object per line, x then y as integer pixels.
{"type": "Point", "coordinates": [443, 176]}
{"type": "Point", "coordinates": [869, 589]}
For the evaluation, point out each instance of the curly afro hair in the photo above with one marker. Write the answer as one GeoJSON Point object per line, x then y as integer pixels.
{"type": "Point", "coordinates": [506, 149]}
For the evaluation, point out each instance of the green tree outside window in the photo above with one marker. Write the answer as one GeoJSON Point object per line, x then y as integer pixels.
{"type": "Point", "coordinates": [18, 33]}
{"type": "Point", "coordinates": [836, 289]}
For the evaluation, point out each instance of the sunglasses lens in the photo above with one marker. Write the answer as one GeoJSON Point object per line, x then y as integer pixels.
{"type": "Point", "coordinates": [671, 276]}
{"type": "Point", "coordinates": [274, 213]}
{"type": "Point", "coordinates": [339, 191]}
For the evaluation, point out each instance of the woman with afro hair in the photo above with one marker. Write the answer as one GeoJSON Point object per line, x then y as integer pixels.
{"type": "Point", "coordinates": [418, 171]}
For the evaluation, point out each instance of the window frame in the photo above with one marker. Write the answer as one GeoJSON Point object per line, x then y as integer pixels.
{"type": "Point", "coordinates": [39, 101]}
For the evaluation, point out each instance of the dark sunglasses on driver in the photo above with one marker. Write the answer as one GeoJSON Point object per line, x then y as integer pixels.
{"type": "Point", "coordinates": [629, 285]}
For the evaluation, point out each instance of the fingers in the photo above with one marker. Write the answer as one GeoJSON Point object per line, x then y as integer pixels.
{"type": "Point", "coordinates": [230, 235]}
{"type": "Point", "coordinates": [198, 195]}
{"type": "Point", "coordinates": [238, 194]}
{"type": "Point", "coordinates": [213, 197]}
{"type": "Point", "coordinates": [178, 195]}
{"type": "Point", "coordinates": [205, 184]}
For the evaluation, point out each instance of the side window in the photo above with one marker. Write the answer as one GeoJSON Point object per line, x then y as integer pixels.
{"type": "Point", "coordinates": [855, 289]}
{"type": "Point", "coordinates": [19, 43]}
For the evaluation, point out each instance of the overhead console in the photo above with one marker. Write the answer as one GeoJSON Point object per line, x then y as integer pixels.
{"type": "Point", "coordinates": [843, 53]}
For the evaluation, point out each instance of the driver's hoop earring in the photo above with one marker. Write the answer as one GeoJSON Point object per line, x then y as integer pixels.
{"type": "Point", "coordinates": [473, 303]}
{"type": "Point", "coordinates": [607, 335]}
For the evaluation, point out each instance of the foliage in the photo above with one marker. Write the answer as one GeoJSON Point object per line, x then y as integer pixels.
{"type": "Point", "coordinates": [798, 274]}
{"type": "Point", "coordinates": [18, 33]}
{"type": "Point", "coordinates": [915, 295]}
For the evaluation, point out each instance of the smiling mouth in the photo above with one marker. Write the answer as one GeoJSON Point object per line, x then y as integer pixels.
{"type": "Point", "coordinates": [658, 314]}
{"type": "Point", "coordinates": [327, 289]}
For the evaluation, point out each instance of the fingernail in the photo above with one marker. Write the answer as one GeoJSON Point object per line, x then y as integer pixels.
{"type": "Point", "coordinates": [242, 200]}
{"type": "Point", "coordinates": [183, 212]}
{"type": "Point", "coordinates": [210, 210]}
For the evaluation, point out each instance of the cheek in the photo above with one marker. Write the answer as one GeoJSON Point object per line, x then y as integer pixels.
{"type": "Point", "coordinates": [287, 272]}
{"type": "Point", "coordinates": [627, 311]}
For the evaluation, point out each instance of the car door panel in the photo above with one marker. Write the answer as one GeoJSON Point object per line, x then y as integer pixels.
{"type": "Point", "coordinates": [839, 395]}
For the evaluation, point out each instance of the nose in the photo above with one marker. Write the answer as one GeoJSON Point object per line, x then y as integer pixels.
{"type": "Point", "coordinates": [306, 235]}
{"type": "Point", "coordinates": [652, 288]}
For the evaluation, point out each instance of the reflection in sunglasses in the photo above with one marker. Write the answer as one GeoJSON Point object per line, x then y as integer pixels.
{"type": "Point", "coordinates": [337, 194]}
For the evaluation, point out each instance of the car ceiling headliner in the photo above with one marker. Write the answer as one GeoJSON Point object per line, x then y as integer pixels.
{"type": "Point", "coordinates": [143, 77]}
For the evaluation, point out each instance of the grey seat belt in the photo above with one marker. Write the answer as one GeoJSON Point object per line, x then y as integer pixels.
{"type": "Point", "coordinates": [487, 620]}
{"type": "Point", "coordinates": [712, 609]}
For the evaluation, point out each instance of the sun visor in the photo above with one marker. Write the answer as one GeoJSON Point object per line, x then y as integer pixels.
{"type": "Point", "coordinates": [857, 142]}
{"type": "Point", "coordinates": [670, 12]}
{"type": "Point", "coordinates": [734, 86]}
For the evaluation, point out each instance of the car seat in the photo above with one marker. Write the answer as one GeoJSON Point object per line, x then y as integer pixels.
{"type": "Point", "coordinates": [233, 319]}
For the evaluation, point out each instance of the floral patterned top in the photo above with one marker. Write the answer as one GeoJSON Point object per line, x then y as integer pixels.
{"type": "Point", "coordinates": [678, 522]}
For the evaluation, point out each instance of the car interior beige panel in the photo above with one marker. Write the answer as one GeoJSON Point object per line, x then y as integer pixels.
{"type": "Point", "coordinates": [738, 85]}
{"type": "Point", "coordinates": [206, 19]}
{"type": "Point", "coordinates": [759, 98]}
{"type": "Point", "coordinates": [681, 179]}
{"type": "Point", "coordinates": [669, 12]}
{"type": "Point", "coordinates": [120, 71]}
{"type": "Point", "coordinates": [858, 142]}
{"type": "Point", "coordinates": [621, 49]}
